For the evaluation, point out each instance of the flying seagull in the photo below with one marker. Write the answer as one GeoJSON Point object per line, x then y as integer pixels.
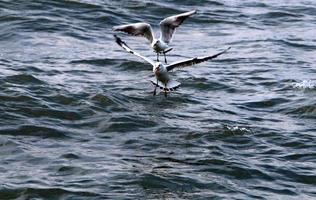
{"type": "Point", "coordinates": [163, 80]}
{"type": "Point", "coordinates": [167, 28]}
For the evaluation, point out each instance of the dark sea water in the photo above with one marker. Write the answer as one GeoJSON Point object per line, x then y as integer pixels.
{"type": "Point", "coordinates": [78, 119]}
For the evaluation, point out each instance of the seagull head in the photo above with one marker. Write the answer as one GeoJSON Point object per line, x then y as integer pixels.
{"type": "Point", "coordinates": [158, 67]}
{"type": "Point", "coordinates": [155, 43]}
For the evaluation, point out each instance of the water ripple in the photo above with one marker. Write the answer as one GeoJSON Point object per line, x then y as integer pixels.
{"type": "Point", "coordinates": [79, 121]}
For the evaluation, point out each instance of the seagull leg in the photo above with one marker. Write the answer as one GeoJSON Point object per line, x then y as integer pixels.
{"type": "Point", "coordinates": [155, 88]}
{"type": "Point", "coordinates": [157, 57]}
{"type": "Point", "coordinates": [164, 54]}
{"type": "Point", "coordinates": [165, 89]}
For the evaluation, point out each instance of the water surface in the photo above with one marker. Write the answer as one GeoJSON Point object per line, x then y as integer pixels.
{"type": "Point", "coordinates": [78, 119]}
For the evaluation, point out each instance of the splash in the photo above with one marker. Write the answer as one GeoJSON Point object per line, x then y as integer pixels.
{"type": "Point", "coordinates": [306, 84]}
{"type": "Point", "coordinates": [237, 130]}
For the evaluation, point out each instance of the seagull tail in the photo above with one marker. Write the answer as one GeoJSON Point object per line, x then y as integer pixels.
{"type": "Point", "coordinates": [167, 50]}
{"type": "Point", "coordinates": [172, 85]}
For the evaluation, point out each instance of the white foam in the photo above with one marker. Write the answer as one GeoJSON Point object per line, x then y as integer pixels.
{"type": "Point", "coordinates": [306, 84]}
{"type": "Point", "coordinates": [238, 130]}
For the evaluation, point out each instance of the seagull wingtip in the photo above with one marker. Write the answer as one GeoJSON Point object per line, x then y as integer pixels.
{"type": "Point", "coordinates": [117, 39]}
{"type": "Point", "coordinates": [227, 49]}
{"type": "Point", "coordinates": [193, 11]}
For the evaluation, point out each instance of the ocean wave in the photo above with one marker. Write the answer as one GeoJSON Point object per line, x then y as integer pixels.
{"type": "Point", "coordinates": [24, 79]}
{"type": "Point", "coordinates": [79, 120]}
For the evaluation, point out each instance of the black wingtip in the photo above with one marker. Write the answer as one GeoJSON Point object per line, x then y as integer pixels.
{"type": "Point", "coordinates": [119, 41]}
{"type": "Point", "coordinates": [226, 49]}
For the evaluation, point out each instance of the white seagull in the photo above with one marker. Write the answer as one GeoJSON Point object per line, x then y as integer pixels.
{"type": "Point", "coordinates": [167, 28]}
{"type": "Point", "coordinates": [163, 80]}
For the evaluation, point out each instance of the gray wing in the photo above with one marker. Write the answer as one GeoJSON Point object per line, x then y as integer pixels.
{"type": "Point", "coordinates": [129, 50]}
{"type": "Point", "coordinates": [137, 29]}
{"type": "Point", "coordinates": [193, 61]}
{"type": "Point", "coordinates": [169, 24]}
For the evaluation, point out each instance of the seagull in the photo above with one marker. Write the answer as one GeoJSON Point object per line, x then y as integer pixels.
{"type": "Point", "coordinates": [162, 79]}
{"type": "Point", "coordinates": [167, 28]}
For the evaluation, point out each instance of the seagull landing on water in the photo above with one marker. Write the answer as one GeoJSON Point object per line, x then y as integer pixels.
{"type": "Point", "coordinates": [163, 80]}
{"type": "Point", "coordinates": [167, 28]}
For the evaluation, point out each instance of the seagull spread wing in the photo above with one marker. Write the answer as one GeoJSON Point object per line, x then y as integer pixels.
{"type": "Point", "coordinates": [137, 29]}
{"type": "Point", "coordinates": [193, 61]}
{"type": "Point", "coordinates": [126, 48]}
{"type": "Point", "coordinates": [169, 24]}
